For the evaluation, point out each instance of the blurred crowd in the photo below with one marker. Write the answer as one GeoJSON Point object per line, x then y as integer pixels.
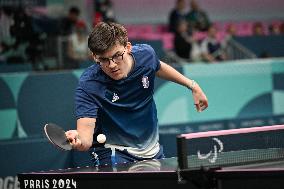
{"type": "Point", "coordinates": [23, 40]}
{"type": "Point", "coordinates": [27, 36]}
{"type": "Point", "coordinates": [187, 19]}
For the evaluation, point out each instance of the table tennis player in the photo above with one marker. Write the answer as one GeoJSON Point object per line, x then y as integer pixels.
{"type": "Point", "coordinates": [114, 97]}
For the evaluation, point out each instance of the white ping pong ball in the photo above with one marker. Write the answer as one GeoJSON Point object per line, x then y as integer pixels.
{"type": "Point", "coordinates": [101, 138]}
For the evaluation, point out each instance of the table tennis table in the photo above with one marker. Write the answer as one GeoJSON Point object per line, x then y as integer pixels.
{"type": "Point", "coordinates": [224, 167]}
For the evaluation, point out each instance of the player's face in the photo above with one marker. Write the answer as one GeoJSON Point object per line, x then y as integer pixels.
{"type": "Point", "coordinates": [116, 62]}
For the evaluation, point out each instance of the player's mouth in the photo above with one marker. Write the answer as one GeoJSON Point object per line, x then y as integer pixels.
{"type": "Point", "coordinates": [114, 71]}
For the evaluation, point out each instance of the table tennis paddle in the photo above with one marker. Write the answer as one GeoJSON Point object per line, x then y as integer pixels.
{"type": "Point", "coordinates": [56, 135]}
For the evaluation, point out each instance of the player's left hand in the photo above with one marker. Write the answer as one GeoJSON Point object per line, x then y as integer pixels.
{"type": "Point", "coordinates": [200, 99]}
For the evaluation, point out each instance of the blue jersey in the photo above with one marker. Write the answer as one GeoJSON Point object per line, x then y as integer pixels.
{"type": "Point", "coordinates": [124, 109]}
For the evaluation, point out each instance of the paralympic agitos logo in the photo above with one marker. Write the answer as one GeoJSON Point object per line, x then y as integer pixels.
{"type": "Point", "coordinates": [212, 155]}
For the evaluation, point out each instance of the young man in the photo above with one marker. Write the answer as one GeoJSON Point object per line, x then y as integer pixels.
{"type": "Point", "coordinates": [115, 97]}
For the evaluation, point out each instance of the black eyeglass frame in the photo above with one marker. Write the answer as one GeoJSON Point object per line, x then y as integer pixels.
{"type": "Point", "coordinates": [115, 58]}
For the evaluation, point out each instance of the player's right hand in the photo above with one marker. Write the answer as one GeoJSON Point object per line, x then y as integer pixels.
{"type": "Point", "coordinates": [73, 137]}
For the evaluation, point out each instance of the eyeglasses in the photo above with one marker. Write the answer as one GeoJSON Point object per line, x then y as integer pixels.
{"type": "Point", "coordinates": [115, 58]}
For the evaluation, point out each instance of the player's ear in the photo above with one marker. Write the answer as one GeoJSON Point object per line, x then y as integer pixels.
{"type": "Point", "coordinates": [94, 57]}
{"type": "Point", "coordinates": [128, 47]}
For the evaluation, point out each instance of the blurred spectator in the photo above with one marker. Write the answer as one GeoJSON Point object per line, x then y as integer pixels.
{"type": "Point", "coordinates": [177, 14]}
{"type": "Point", "coordinates": [258, 29]}
{"type": "Point", "coordinates": [182, 40]}
{"type": "Point", "coordinates": [24, 43]}
{"type": "Point", "coordinates": [104, 11]}
{"type": "Point", "coordinates": [281, 28]}
{"type": "Point", "coordinates": [231, 31]}
{"type": "Point", "coordinates": [67, 24]}
{"type": "Point", "coordinates": [77, 49]}
{"type": "Point", "coordinates": [211, 49]}
{"type": "Point", "coordinates": [197, 18]}
{"type": "Point", "coordinates": [27, 39]}
{"type": "Point", "coordinates": [22, 28]}
{"type": "Point", "coordinates": [274, 29]}
{"type": "Point", "coordinates": [6, 21]}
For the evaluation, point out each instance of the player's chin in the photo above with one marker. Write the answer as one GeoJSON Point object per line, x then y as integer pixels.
{"type": "Point", "coordinates": [117, 76]}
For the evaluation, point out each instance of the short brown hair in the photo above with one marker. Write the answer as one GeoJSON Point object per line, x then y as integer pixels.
{"type": "Point", "coordinates": [105, 35]}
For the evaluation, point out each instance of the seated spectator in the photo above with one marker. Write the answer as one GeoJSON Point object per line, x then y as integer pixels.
{"type": "Point", "coordinates": [211, 49]}
{"type": "Point", "coordinates": [231, 31]}
{"type": "Point", "coordinates": [182, 40]}
{"type": "Point", "coordinates": [104, 11]}
{"type": "Point", "coordinates": [197, 18]}
{"type": "Point", "coordinates": [67, 24]}
{"type": "Point", "coordinates": [177, 14]}
{"type": "Point", "coordinates": [281, 28]}
{"type": "Point", "coordinates": [6, 21]}
{"type": "Point", "coordinates": [6, 40]}
{"type": "Point", "coordinates": [77, 48]}
{"type": "Point", "coordinates": [257, 29]}
{"type": "Point", "coordinates": [274, 29]}
{"type": "Point", "coordinates": [2, 58]}
{"type": "Point", "coordinates": [19, 42]}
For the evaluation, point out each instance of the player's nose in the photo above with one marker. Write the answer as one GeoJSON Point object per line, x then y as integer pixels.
{"type": "Point", "coordinates": [112, 64]}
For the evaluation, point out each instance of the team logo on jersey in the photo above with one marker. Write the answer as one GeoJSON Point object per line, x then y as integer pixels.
{"type": "Point", "coordinates": [114, 97]}
{"type": "Point", "coordinates": [145, 82]}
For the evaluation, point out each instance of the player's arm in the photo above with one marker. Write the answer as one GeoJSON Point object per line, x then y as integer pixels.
{"type": "Point", "coordinates": [82, 138]}
{"type": "Point", "coordinates": [169, 73]}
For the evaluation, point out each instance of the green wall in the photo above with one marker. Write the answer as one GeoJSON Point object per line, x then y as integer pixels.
{"type": "Point", "coordinates": [231, 87]}
{"type": "Point", "coordinates": [237, 90]}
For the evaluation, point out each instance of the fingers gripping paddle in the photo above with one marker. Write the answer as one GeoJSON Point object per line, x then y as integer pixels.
{"type": "Point", "coordinates": [56, 135]}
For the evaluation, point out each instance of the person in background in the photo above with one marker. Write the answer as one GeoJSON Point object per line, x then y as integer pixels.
{"type": "Point", "coordinates": [177, 14]}
{"type": "Point", "coordinates": [67, 24]}
{"type": "Point", "coordinates": [182, 40]}
{"type": "Point", "coordinates": [25, 44]}
{"type": "Point", "coordinates": [77, 48]}
{"type": "Point", "coordinates": [274, 29]}
{"type": "Point", "coordinates": [281, 28]}
{"type": "Point", "coordinates": [104, 11]}
{"type": "Point", "coordinates": [197, 18]}
{"type": "Point", "coordinates": [258, 29]}
{"type": "Point", "coordinates": [211, 49]}
{"type": "Point", "coordinates": [6, 21]}
{"type": "Point", "coordinates": [231, 31]}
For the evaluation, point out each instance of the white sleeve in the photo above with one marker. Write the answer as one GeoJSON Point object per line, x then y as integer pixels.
{"type": "Point", "coordinates": [204, 46]}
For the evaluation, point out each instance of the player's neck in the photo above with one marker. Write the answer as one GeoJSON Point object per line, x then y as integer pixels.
{"type": "Point", "coordinates": [131, 63]}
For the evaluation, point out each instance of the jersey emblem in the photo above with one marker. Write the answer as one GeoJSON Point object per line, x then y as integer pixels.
{"type": "Point", "coordinates": [114, 97]}
{"type": "Point", "coordinates": [145, 82]}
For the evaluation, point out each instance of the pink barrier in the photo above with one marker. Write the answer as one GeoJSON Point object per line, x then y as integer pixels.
{"type": "Point", "coordinates": [144, 28]}
{"type": "Point", "coordinates": [160, 32]}
{"type": "Point", "coordinates": [168, 39]}
{"type": "Point", "coordinates": [199, 36]}
{"type": "Point", "coordinates": [232, 131]}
